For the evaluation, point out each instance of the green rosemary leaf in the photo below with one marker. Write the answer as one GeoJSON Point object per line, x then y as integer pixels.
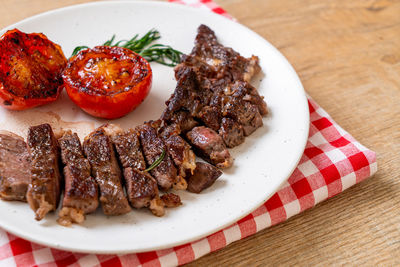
{"type": "Point", "coordinates": [77, 49]}
{"type": "Point", "coordinates": [160, 53]}
{"type": "Point", "coordinates": [156, 162]}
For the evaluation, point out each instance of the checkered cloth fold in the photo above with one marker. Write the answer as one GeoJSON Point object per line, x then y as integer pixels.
{"type": "Point", "coordinates": [332, 162]}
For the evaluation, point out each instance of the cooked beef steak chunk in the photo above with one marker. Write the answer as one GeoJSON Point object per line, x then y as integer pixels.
{"type": "Point", "coordinates": [210, 146]}
{"type": "Point", "coordinates": [179, 150]}
{"type": "Point", "coordinates": [181, 119]}
{"type": "Point", "coordinates": [153, 146]}
{"type": "Point", "coordinates": [212, 60]}
{"type": "Point", "coordinates": [81, 190]}
{"type": "Point", "coordinates": [231, 132]}
{"type": "Point", "coordinates": [171, 200]}
{"type": "Point", "coordinates": [100, 153]}
{"type": "Point", "coordinates": [187, 96]}
{"type": "Point", "coordinates": [203, 177]}
{"type": "Point", "coordinates": [44, 189]}
{"type": "Point", "coordinates": [128, 148]}
{"type": "Point", "coordinates": [140, 186]}
{"type": "Point", "coordinates": [15, 172]}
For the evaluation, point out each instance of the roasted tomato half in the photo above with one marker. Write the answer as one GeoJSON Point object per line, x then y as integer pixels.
{"type": "Point", "coordinates": [107, 82]}
{"type": "Point", "coordinates": [30, 70]}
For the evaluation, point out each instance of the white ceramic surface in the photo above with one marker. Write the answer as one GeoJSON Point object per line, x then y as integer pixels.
{"type": "Point", "coordinates": [262, 163]}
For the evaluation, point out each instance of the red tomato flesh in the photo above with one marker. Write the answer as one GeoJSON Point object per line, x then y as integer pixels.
{"type": "Point", "coordinates": [107, 82]}
{"type": "Point", "coordinates": [30, 70]}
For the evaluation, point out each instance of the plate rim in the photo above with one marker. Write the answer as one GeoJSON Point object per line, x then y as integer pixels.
{"type": "Point", "coordinates": [289, 171]}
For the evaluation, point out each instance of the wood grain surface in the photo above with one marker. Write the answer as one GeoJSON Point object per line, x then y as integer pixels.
{"type": "Point", "coordinates": [347, 54]}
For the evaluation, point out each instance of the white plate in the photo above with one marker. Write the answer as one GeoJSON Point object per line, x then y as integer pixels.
{"type": "Point", "coordinates": [262, 163]}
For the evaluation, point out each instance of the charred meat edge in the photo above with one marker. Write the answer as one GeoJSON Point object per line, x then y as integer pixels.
{"type": "Point", "coordinates": [99, 151]}
{"type": "Point", "coordinates": [141, 187]}
{"type": "Point", "coordinates": [44, 190]}
{"type": "Point", "coordinates": [81, 190]}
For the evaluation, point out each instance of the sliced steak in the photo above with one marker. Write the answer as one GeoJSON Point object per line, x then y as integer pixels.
{"type": "Point", "coordinates": [210, 146]}
{"type": "Point", "coordinates": [203, 177]}
{"type": "Point", "coordinates": [99, 151]}
{"type": "Point", "coordinates": [140, 186]}
{"type": "Point", "coordinates": [44, 189]}
{"type": "Point", "coordinates": [181, 119]}
{"type": "Point", "coordinates": [187, 96]}
{"type": "Point", "coordinates": [212, 60]}
{"type": "Point", "coordinates": [128, 148]}
{"type": "Point", "coordinates": [81, 190]}
{"type": "Point", "coordinates": [153, 146]}
{"type": "Point", "coordinates": [179, 150]}
{"type": "Point", "coordinates": [15, 172]}
{"type": "Point", "coordinates": [231, 132]}
{"type": "Point", "coordinates": [171, 200]}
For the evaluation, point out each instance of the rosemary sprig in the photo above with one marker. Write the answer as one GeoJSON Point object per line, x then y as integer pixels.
{"type": "Point", "coordinates": [156, 162]}
{"type": "Point", "coordinates": [163, 54]}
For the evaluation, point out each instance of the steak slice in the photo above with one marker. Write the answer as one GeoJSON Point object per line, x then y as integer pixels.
{"type": "Point", "coordinates": [44, 189]}
{"type": "Point", "coordinates": [81, 190]}
{"type": "Point", "coordinates": [179, 150]}
{"type": "Point", "coordinates": [140, 186]}
{"type": "Point", "coordinates": [15, 172]}
{"type": "Point", "coordinates": [210, 146]}
{"type": "Point", "coordinates": [212, 60]}
{"type": "Point", "coordinates": [203, 177]}
{"type": "Point", "coordinates": [187, 96]}
{"type": "Point", "coordinates": [153, 146]}
{"type": "Point", "coordinates": [99, 151]}
{"type": "Point", "coordinates": [231, 132]}
{"type": "Point", "coordinates": [181, 119]}
{"type": "Point", "coordinates": [128, 148]}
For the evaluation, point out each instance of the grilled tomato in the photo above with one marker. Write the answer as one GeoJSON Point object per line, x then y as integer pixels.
{"type": "Point", "coordinates": [30, 70]}
{"type": "Point", "coordinates": [107, 82]}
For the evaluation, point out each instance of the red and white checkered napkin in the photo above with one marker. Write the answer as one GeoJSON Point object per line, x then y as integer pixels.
{"type": "Point", "coordinates": [332, 162]}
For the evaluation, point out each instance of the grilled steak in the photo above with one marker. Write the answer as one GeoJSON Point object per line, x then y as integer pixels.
{"type": "Point", "coordinates": [15, 172]}
{"type": "Point", "coordinates": [213, 88]}
{"type": "Point", "coordinates": [81, 191]}
{"type": "Point", "coordinates": [203, 177]}
{"type": "Point", "coordinates": [210, 146]}
{"type": "Point", "coordinates": [127, 145]}
{"type": "Point", "coordinates": [100, 153]}
{"type": "Point", "coordinates": [231, 132]}
{"type": "Point", "coordinates": [171, 200]}
{"type": "Point", "coordinates": [153, 146]}
{"type": "Point", "coordinates": [181, 119]}
{"type": "Point", "coordinates": [44, 189]}
{"type": "Point", "coordinates": [211, 59]}
{"type": "Point", "coordinates": [179, 150]}
{"type": "Point", "coordinates": [140, 186]}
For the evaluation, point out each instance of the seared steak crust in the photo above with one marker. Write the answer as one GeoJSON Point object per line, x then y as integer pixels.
{"type": "Point", "coordinates": [203, 177]}
{"type": "Point", "coordinates": [44, 190]}
{"type": "Point", "coordinates": [179, 150]}
{"type": "Point", "coordinates": [210, 146]}
{"type": "Point", "coordinates": [153, 146]}
{"type": "Point", "coordinates": [140, 186]}
{"type": "Point", "coordinates": [212, 60]}
{"type": "Point", "coordinates": [15, 172]}
{"type": "Point", "coordinates": [81, 190]}
{"type": "Point", "coordinates": [100, 153]}
{"type": "Point", "coordinates": [127, 145]}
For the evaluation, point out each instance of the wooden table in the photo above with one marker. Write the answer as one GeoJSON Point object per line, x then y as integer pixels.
{"type": "Point", "coordinates": [347, 54]}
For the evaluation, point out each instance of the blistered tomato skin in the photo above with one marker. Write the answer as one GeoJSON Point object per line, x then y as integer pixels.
{"type": "Point", "coordinates": [107, 82]}
{"type": "Point", "coordinates": [30, 70]}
